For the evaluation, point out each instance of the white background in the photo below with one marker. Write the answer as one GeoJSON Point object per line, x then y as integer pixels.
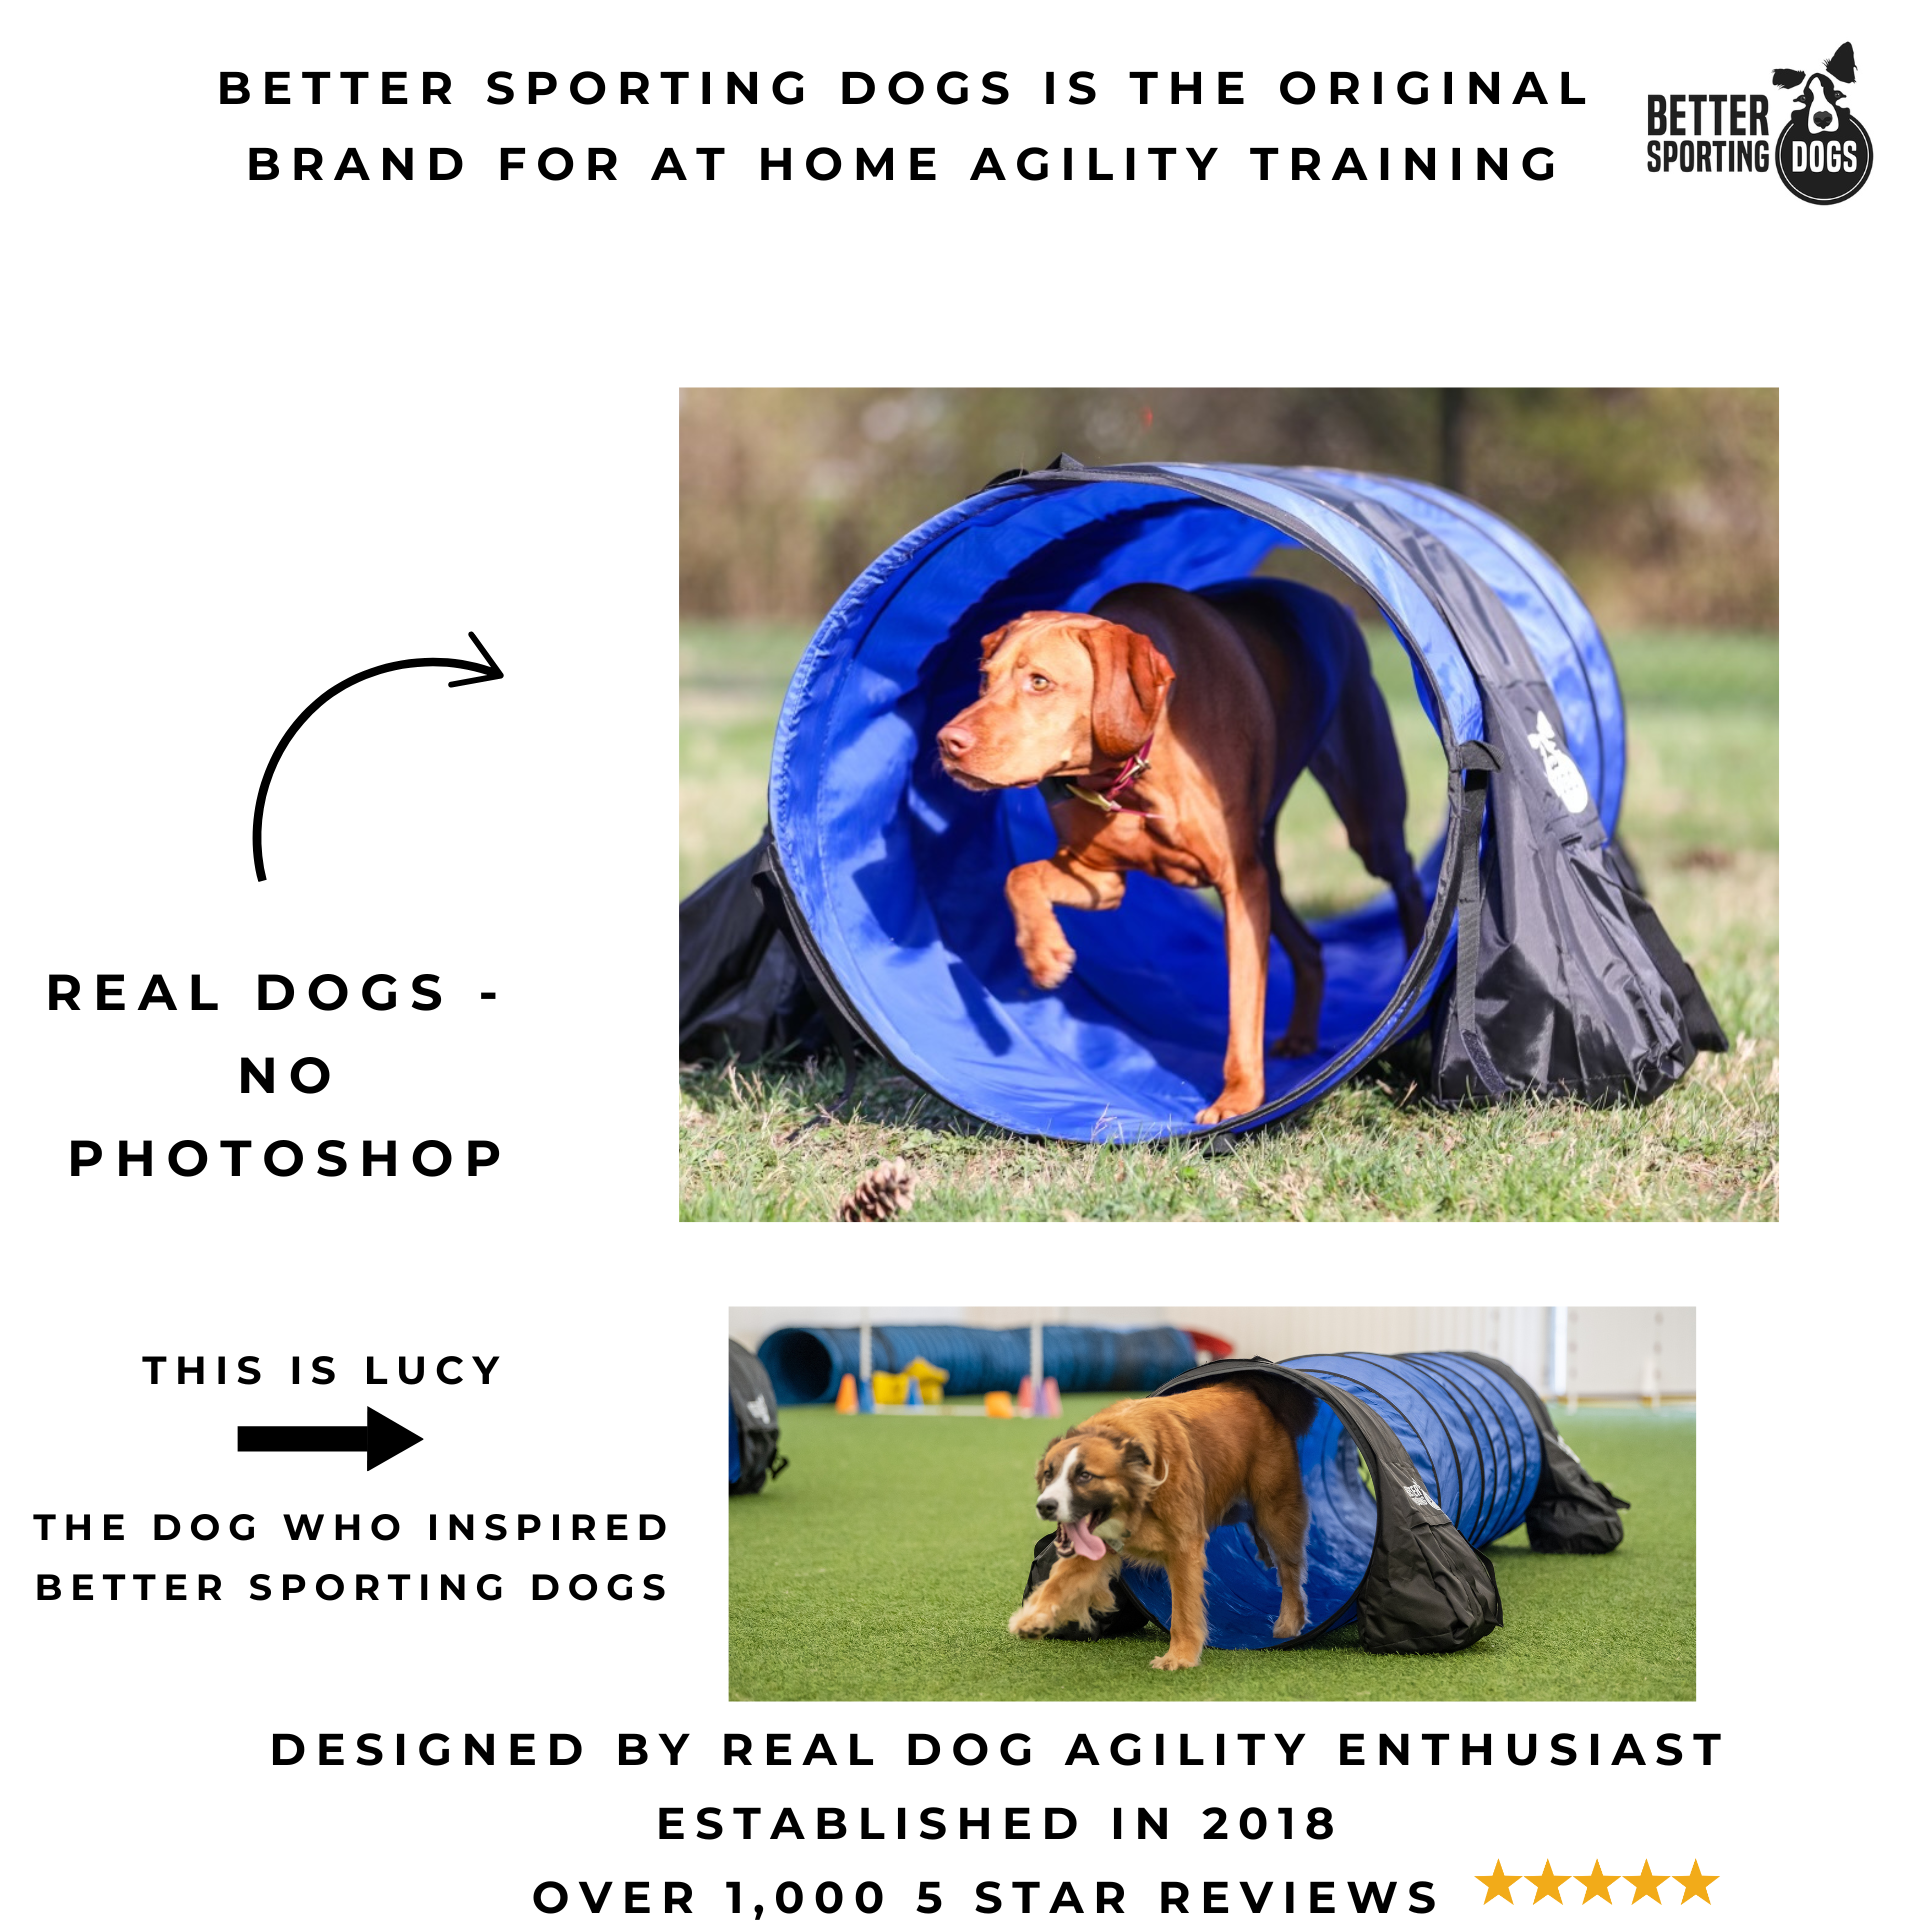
{"type": "Point", "coordinates": [260, 436]}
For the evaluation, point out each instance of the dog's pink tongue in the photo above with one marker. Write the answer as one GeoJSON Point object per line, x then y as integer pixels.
{"type": "Point", "coordinates": [1085, 1541]}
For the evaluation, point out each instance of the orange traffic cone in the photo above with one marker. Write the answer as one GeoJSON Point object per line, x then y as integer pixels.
{"type": "Point", "coordinates": [1024, 1398]}
{"type": "Point", "coordinates": [847, 1400]}
{"type": "Point", "coordinates": [1050, 1399]}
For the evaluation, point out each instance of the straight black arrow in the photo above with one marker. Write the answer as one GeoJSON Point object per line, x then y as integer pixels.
{"type": "Point", "coordinates": [380, 1439]}
{"type": "Point", "coordinates": [476, 676]}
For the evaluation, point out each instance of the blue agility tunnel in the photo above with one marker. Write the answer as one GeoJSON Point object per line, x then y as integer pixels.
{"type": "Point", "coordinates": [890, 875]}
{"type": "Point", "coordinates": [1413, 1462]}
{"type": "Point", "coordinates": [876, 899]}
{"type": "Point", "coordinates": [805, 1364]}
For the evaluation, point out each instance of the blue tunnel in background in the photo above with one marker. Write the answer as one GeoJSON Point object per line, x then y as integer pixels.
{"type": "Point", "coordinates": [896, 872]}
{"type": "Point", "coordinates": [1473, 1442]}
{"type": "Point", "coordinates": [805, 1363]}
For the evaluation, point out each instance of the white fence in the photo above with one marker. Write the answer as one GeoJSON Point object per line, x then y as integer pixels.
{"type": "Point", "coordinates": [1628, 1352]}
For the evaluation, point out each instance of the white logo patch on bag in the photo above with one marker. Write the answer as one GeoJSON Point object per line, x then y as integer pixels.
{"type": "Point", "coordinates": [757, 1406]}
{"type": "Point", "coordinates": [1562, 775]}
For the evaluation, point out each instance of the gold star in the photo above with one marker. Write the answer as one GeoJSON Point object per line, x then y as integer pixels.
{"type": "Point", "coordinates": [1596, 1884]}
{"type": "Point", "coordinates": [1696, 1884]}
{"type": "Point", "coordinates": [1496, 1883]}
{"type": "Point", "coordinates": [1547, 1884]}
{"type": "Point", "coordinates": [1646, 1884]}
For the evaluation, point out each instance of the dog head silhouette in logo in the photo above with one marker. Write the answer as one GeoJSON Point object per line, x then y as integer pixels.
{"type": "Point", "coordinates": [1823, 152]}
{"type": "Point", "coordinates": [1819, 112]}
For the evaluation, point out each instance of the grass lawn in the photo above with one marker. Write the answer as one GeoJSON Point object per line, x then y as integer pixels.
{"type": "Point", "coordinates": [1701, 819]}
{"type": "Point", "coordinates": [851, 1580]}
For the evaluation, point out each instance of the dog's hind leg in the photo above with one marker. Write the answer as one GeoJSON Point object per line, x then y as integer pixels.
{"type": "Point", "coordinates": [1358, 763]}
{"type": "Point", "coordinates": [1304, 959]}
{"type": "Point", "coordinates": [1243, 902]}
{"type": "Point", "coordinates": [1280, 1518]}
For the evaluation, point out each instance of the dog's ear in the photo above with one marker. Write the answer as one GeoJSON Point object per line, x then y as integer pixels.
{"type": "Point", "coordinates": [1153, 1477]}
{"type": "Point", "coordinates": [1841, 65]}
{"type": "Point", "coordinates": [1130, 681]}
{"type": "Point", "coordinates": [1787, 76]}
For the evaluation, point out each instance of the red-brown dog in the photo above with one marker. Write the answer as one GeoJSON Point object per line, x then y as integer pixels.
{"type": "Point", "coordinates": [1151, 1479]}
{"type": "Point", "coordinates": [1169, 729]}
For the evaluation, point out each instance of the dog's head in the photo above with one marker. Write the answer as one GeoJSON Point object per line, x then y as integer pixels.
{"type": "Point", "coordinates": [1060, 693]}
{"type": "Point", "coordinates": [1094, 1482]}
{"type": "Point", "coordinates": [1819, 100]}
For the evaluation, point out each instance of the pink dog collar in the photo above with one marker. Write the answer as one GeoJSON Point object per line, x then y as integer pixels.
{"type": "Point", "coordinates": [1102, 797]}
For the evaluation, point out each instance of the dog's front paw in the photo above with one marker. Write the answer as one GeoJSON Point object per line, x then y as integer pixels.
{"type": "Point", "coordinates": [1292, 1621]}
{"type": "Point", "coordinates": [1032, 1622]}
{"type": "Point", "coordinates": [1171, 1662]}
{"type": "Point", "coordinates": [1234, 1100]}
{"type": "Point", "coordinates": [1048, 959]}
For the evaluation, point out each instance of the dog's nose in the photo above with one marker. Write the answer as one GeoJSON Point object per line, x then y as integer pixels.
{"type": "Point", "coordinates": [954, 740]}
{"type": "Point", "coordinates": [1047, 1509]}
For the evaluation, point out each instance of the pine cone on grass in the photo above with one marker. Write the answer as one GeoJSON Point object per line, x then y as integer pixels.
{"type": "Point", "coordinates": [880, 1193]}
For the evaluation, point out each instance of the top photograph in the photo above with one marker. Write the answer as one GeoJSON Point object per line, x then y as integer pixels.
{"type": "Point", "coordinates": [1341, 804]}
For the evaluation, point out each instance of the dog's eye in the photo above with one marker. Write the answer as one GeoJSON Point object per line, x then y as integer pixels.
{"type": "Point", "coordinates": [1083, 1474]}
{"type": "Point", "coordinates": [1038, 683]}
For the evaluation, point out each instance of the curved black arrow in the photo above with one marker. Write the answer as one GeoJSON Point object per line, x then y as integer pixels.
{"type": "Point", "coordinates": [380, 1439]}
{"type": "Point", "coordinates": [476, 675]}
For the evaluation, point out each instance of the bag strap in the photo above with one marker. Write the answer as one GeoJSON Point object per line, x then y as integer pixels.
{"type": "Point", "coordinates": [1060, 463]}
{"type": "Point", "coordinates": [1476, 763]}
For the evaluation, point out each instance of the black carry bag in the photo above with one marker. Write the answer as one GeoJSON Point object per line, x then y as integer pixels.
{"type": "Point", "coordinates": [744, 991]}
{"type": "Point", "coordinates": [753, 1453]}
{"type": "Point", "coordinates": [1565, 981]}
{"type": "Point", "coordinates": [1571, 1512]}
{"type": "Point", "coordinates": [748, 987]}
{"type": "Point", "coordinates": [1426, 1590]}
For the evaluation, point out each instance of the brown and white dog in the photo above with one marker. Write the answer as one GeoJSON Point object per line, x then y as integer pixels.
{"type": "Point", "coordinates": [1169, 729]}
{"type": "Point", "coordinates": [1150, 1479]}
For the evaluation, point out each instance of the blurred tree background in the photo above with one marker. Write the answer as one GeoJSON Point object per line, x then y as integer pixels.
{"type": "Point", "coordinates": [1660, 504]}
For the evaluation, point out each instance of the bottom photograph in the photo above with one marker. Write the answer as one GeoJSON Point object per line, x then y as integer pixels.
{"type": "Point", "coordinates": [1226, 1503]}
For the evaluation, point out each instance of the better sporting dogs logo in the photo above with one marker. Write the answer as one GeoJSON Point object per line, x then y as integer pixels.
{"type": "Point", "coordinates": [1562, 775]}
{"type": "Point", "coordinates": [1823, 153]}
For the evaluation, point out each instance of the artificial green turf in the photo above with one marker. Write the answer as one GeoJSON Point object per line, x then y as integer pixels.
{"type": "Point", "coordinates": [884, 1563]}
